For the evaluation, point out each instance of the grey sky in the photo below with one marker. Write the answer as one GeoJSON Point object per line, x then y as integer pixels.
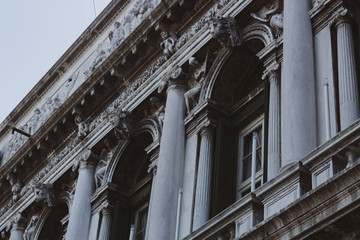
{"type": "Point", "coordinates": [34, 34]}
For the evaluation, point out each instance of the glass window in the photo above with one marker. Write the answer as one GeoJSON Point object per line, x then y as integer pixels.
{"type": "Point", "coordinates": [245, 156]}
{"type": "Point", "coordinates": [140, 225]}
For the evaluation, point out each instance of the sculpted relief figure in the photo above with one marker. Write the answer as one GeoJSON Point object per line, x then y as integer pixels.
{"type": "Point", "coordinates": [123, 124]}
{"type": "Point", "coordinates": [156, 110]}
{"type": "Point", "coordinates": [44, 194]}
{"type": "Point", "coordinates": [83, 127]}
{"type": "Point", "coordinates": [105, 158]}
{"type": "Point", "coordinates": [116, 36]}
{"type": "Point", "coordinates": [101, 56]}
{"type": "Point", "coordinates": [29, 231]}
{"type": "Point", "coordinates": [168, 44]}
{"type": "Point", "coordinates": [16, 186]}
{"type": "Point", "coordinates": [224, 30]}
{"type": "Point", "coordinates": [199, 77]}
{"type": "Point", "coordinates": [270, 13]}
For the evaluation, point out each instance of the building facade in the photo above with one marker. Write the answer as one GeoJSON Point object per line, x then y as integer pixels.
{"type": "Point", "coordinates": [181, 119]}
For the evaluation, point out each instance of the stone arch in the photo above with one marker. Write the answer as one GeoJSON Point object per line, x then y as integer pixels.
{"type": "Point", "coordinates": [49, 225]}
{"type": "Point", "coordinates": [146, 126]}
{"type": "Point", "coordinates": [254, 32]}
{"type": "Point", "coordinates": [257, 31]}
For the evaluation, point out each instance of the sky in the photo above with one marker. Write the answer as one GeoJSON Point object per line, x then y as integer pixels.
{"type": "Point", "coordinates": [34, 34]}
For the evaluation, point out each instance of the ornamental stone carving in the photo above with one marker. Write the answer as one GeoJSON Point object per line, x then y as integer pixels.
{"type": "Point", "coordinates": [156, 110]}
{"type": "Point", "coordinates": [168, 44]}
{"type": "Point", "coordinates": [116, 36]}
{"type": "Point", "coordinates": [199, 75]}
{"type": "Point", "coordinates": [30, 229]}
{"type": "Point", "coordinates": [16, 186]}
{"type": "Point", "coordinates": [18, 222]}
{"type": "Point", "coordinates": [105, 157]}
{"type": "Point", "coordinates": [44, 194]}
{"type": "Point", "coordinates": [123, 123]}
{"type": "Point", "coordinates": [86, 158]}
{"type": "Point", "coordinates": [83, 127]}
{"type": "Point", "coordinates": [224, 30]}
{"type": "Point", "coordinates": [270, 13]}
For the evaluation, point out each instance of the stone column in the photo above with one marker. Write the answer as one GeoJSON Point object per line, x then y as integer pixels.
{"type": "Point", "coordinates": [348, 86]}
{"type": "Point", "coordinates": [17, 227]}
{"type": "Point", "coordinates": [298, 107]}
{"type": "Point", "coordinates": [203, 180]}
{"type": "Point", "coordinates": [105, 229]}
{"type": "Point", "coordinates": [80, 213]}
{"type": "Point", "coordinates": [171, 157]}
{"type": "Point", "coordinates": [274, 162]}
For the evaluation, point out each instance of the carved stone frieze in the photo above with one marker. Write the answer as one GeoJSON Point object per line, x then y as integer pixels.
{"type": "Point", "coordinates": [17, 222]}
{"type": "Point", "coordinates": [224, 30]}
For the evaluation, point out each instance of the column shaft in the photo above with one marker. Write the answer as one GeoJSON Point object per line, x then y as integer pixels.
{"type": "Point", "coordinates": [169, 171]}
{"type": "Point", "coordinates": [80, 214]}
{"type": "Point", "coordinates": [203, 182]}
{"type": "Point", "coordinates": [274, 162]}
{"type": "Point", "coordinates": [298, 108]}
{"type": "Point", "coordinates": [348, 86]}
{"type": "Point", "coordinates": [105, 229]}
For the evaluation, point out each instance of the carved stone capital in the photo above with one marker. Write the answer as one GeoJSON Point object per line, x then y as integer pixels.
{"type": "Point", "coordinates": [224, 30]}
{"type": "Point", "coordinates": [272, 72]}
{"type": "Point", "coordinates": [87, 159]}
{"type": "Point", "coordinates": [208, 128]}
{"type": "Point", "coordinates": [343, 17]}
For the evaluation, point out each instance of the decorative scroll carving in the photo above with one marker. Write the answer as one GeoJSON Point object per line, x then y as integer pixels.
{"type": "Point", "coordinates": [83, 127]}
{"type": "Point", "coordinates": [44, 194]}
{"type": "Point", "coordinates": [224, 30]}
{"type": "Point", "coordinates": [199, 75]}
{"type": "Point", "coordinates": [30, 229]}
{"type": "Point", "coordinates": [124, 126]}
{"type": "Point", "coordinates": [270, 13]}
{"type": "Point", "coordinates": [168, 44]}
{"type": "Point", "coordinates": [156, 110]}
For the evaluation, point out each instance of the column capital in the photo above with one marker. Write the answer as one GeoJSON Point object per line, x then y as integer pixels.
{"type": "Point", "coordinates": [207, 128]}
{"type": "Point", "coordinates": [343, 17]}
{"type": "Point", "coordinates": [272, 72]}
{"type": "Point", "coordinates": [85, 160]}
{"type": "Point", "coordinates": [177, 78]}
{"type": "Point", "coordinates": [107, 209]}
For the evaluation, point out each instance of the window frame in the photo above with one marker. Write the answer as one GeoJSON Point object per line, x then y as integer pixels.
{"type": "Point", "coordinates": [243, 187]}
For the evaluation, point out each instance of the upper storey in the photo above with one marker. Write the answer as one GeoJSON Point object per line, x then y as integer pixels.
{"type": "Point", "coordinates": [116, 23]}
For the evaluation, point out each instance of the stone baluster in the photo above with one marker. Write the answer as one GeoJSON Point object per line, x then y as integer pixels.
{"type": "Point", "coordinates": [203, 181]}
{"type": "Point", "coordinates": [170, 164]}
{"type": "Point", "coordinates": [80, 213]}
{"type": "Point", "coordinates": [274, 161]}
{"type": "Point", "coordinates": [298, 108]}
{"type": "Point", "coordinates": [348, 86]}
{"type": "Point", "coordinates": [105, 230]}
{"type": "Point", "coordinates": [18, 224]}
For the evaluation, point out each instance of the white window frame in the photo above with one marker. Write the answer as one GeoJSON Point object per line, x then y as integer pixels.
{"type": "Point", "coordinates": [244, 186]}
{"type": "Point", "coordinates": [146, 205]}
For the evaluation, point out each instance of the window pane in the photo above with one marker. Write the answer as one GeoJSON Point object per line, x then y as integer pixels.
{"type": "Point", "coordinates": [246, 173]}
{"type": "Point", "coordinates": [141, 224]}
